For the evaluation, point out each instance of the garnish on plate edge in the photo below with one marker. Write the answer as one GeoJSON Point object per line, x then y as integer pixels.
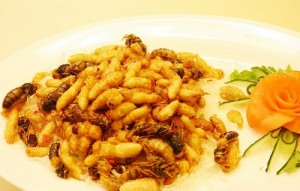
{"type": "Point", "coordinates": [272, 106]}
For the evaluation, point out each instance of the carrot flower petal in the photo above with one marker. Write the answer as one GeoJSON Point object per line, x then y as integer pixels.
{"type": "Point", "coordinates": [275, 102]}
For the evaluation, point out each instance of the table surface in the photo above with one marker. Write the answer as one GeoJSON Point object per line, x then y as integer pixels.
{"type": "Point", "coordinates": [25, 22]}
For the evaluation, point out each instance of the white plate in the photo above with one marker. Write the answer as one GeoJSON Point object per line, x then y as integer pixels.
{"type": "Point", "coordinates": [223, 42]}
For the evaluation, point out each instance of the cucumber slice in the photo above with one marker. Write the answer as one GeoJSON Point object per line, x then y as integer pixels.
{"type": "Point", "coordinates": [250, 88]}
{"type": "Point", "coordinates": [292, 164]}
{"type": "Point", "coordinates": [235, 102]}
{"type": "Point", "coordinates": [284, 148]}
{"type": "Point", "coordinates": [268, 140]}
{"type": "Point", "coordinates": [240, 82]}
{"type": "Point", "coordinates": [258, 72]}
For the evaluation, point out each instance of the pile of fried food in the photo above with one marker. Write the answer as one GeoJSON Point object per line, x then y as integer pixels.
{"type": "Point", "coordinates": [127, 118]}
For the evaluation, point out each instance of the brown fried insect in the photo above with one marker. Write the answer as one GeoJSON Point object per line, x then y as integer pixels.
{"type": "Point", "coordinates": [50, 102]}
{"type": "Point", "coordinates": [19, 93]}
{"type": "Point", "coordinates": [196, 73]}
{"type": "Point", "coordinates": [161, 130]}
{"type": "Point", "coordinates": [62, 171]}
{"type": "Point", "coordinates": [70, 69]}
{"type": "Point", "coordinates": [156, 169]}
{"type": "Point", "coordinates": [165, 54]}
{"type": "Point", "coordinates": [131, 39]}
{"type": "Point", "coordinates": [26, 132]}
{"type": "Point", "coordinates": [73, 113]}
{"type": "Point", "coordinates": [54, 150]}
{"type": "Point", "coordinates": [179, 71]}
{"type": "Point", "coordinates": [93, 173]}
{"type": "Point", "coordinates": [227, 152]}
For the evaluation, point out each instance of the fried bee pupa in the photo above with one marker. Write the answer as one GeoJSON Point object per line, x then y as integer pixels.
{"type": "Point", "coordinates": [227, 153]}
{"type": "Point", "coordinates": [19, 93]}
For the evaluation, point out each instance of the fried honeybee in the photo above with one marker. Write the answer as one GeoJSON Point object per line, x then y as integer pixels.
{"type": "Point", "coordinates": [62, 171]}
{"type": "Point", "coordinates": [19, 93]}
{"type": "Point", "coordinates": [65, 70]}
{"type": "Point", "coordinates": [165, 54]}
{"type": "Point", "coordinates": [196, 73]}
{"type": "Point", "coordinates": [157, 169]}
{"type": "Point", "coordinates": [26, 132]}
{"type": "Point", "coordinates": [73, 113]}
{"type": "Point", "coordinates": [227, 152]}
{"type": "Point", "coordinates": [50, 102]}
{"type": "Point", "coordinates": [132, 39]}
{"type": "Point", "coordinates": [161, 130]}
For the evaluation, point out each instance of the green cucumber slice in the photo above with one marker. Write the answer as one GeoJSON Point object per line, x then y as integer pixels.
{"type": "Point", "coordinates": [292, 164]}
{"type": "Point", "coordinates": [284, 148]}
{"type": "Point", "coordinates": [258, 72]}
{"type": "Point", "coordinates": [268, 140]}
{"type": "Point", "coordinates": [240, 82]}
{"type": "Point", "coordinates": [235, 102]}
{"type": "Point", "coordinates": [250, 88]}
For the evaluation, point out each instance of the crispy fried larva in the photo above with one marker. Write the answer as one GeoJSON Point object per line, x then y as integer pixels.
{"type": "Point", "coordinates": [108, 150]}
{"type": "Point", "coordinates": [10, 133]}
{"type": "Point", "coordinates": [114, 79]}
{"type": "Point", "coordinates": [138, 82]}
{"type": "Point", "coordinates": [89, 130]}
{"type": "Point", "coordinates": [121, 110]}
{"type": "Point", "coordinates": [188, 124]}
{"type": "Point", "coordinates": [135, 115]}
{"type": "Point", "coordinates": [235, 117]}
{"type": "Point", "coordinates": [46, 135]}
{"type": "Point", "coordinates": [115, 65]}
{"type": "Point", "coordinates": [174, 87]}
{"type": "Point", "coordinates": [185, 109]}
{"type": "Point", "coordinates": [157, 65]}
{"type": "Point", "coordinates": [190, 94]}
{"type": "Point", "coordinates": [218, 124]}
{"type": "Point", "coordinates": [110, 98]}
{"type": "Point", "coordinates": [150, 74]}
{"type": "Point", "coordinates": [82, 57]}
{"type": "Point", "coordinates": [132, 69]}
{"type": "Point", "coordinates": [91, 160]}
{"type": "Point", "coordinates": [191, 155]}
{"type": "Point", "coordinates": [128, 150]}
{"type": "Point", "coordinates": [167, 111]}
{"type": "Point", "coordinates": [38, 77]}
{"type": "Point", "coordinates": [232, 93]}
{"type": "Point", "coordinates": [195, 142]}
{"type": "Point", "coordinates": [183, 165]}
{"type": "Point", "coordinates": [69, 95]}
{"type": "Point", "coordinates": [83, 100]}
{"type": "Point", "coordinates": [161, 148]}
{"type": "Point", "coordinates": [71, 164]}
{"type": "Point", "coordinates": [43, 92]}
{"type": "Point", "coordinates": [37, 151]}
{"type": "Point", "coordinates": [145, 184]}
{"type": "Point", "coordinates": [54, 83]}
{"type": "Point", "coordinates": [143, 98]}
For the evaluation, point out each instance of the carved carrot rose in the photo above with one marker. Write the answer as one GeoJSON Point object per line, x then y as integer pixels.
{"type": "Point", "coordinates": [275, 102]}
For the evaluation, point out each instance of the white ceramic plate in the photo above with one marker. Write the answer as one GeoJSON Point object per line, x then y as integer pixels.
{"type": "Point", "coordinates": [223, 42]}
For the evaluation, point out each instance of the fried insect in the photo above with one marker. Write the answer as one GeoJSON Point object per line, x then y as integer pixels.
{"type": "Point", "coordinates": [50, 102]}
{"type": "Point", "coordinates": [26, 132]}
{"type": "Point", "coordinates": [157, 169]}
{"type": "Point", "coordinates": [62, 171]}
{"type": "Point", "coordinates": [162, 130]}
{"type": "Point", "coordinates": [196, 73]}
{"type": "Point", "coordinates": [54, 150]}
{"type": "Point", "coordinates": [19, 93]}
{"type": "Point", "coordinates": [65, 70]}
{"type": "Point", "coordinates": [227, 152]}
{"type": "Point", "coordinates": [132, 39]}
{"type": "Point", "coordinates": [73, 113]}
{"type": "Point", "coordinates": [165, 54]}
